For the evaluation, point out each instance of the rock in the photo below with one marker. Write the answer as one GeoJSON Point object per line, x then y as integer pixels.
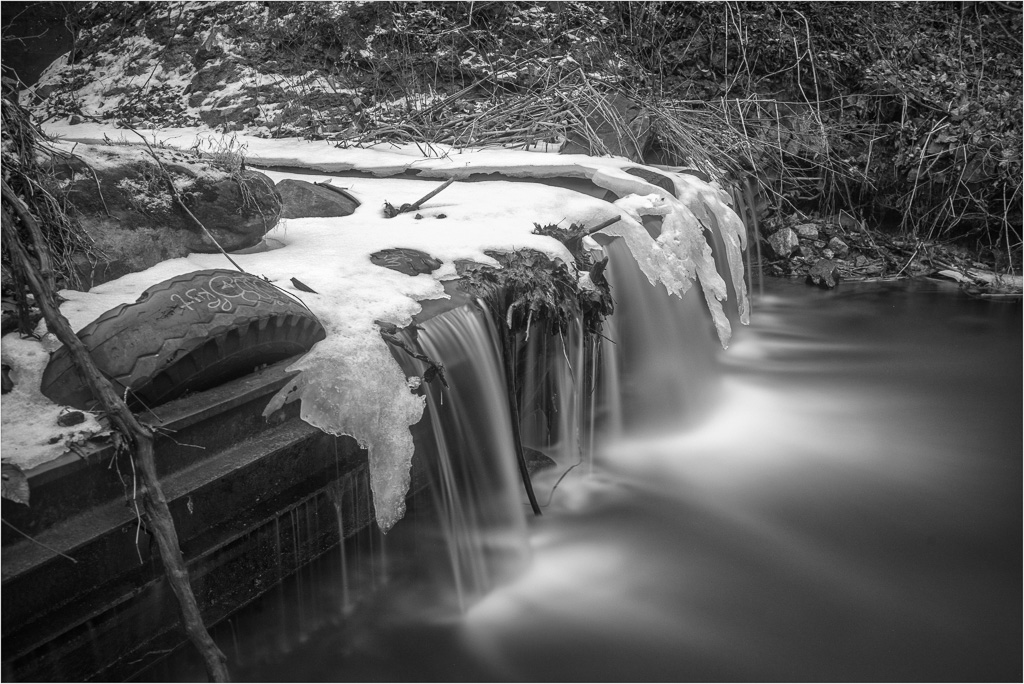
{"type": "Point", "coordinates": [411, 262]}
{"type": "Point", "coordinates": [301, 199]}
{"type": "Point", "coordinates": [129, 212]}
{"type": "Point", "coordinates": [536, 460]}
{"type": "Point", "coordinates": [807, 230]}
{"type": "Point", "coordinates": [824, 273]}
{"type": "Point", "coordinates": [840, 248]}
{"type": "Point", "coordinates": [621, 126]}
{"type": "Point", "coordinates": [237, 210]}
{"type": "Point", "coordinates": [784, 242]}
{"type": "Point", "coordinates": [209, 49]}
{"type": "Point", "coordinates": [847, 220]}
{"type": "Point", "coordinates": [71, 418]}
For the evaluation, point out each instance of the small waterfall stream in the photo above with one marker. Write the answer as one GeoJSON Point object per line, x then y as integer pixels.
{"type": "Point", "coordinates": [748, 515]}
{"type": "Point", "coordinates": [661, 361]}
{"type": "Point", "coordinates": [475, 490]}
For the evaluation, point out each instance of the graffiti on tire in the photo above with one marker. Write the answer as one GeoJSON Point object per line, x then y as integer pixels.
{"type": "Point", "coordinates": [224, 293]}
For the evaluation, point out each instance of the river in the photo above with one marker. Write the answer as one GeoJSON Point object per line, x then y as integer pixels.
{"type": "Point", "coordinates": [847, 510]}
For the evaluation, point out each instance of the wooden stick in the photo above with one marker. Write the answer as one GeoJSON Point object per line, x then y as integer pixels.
{"type": "Point", "coordinates": [391, 212]}
{"type": "Point", "coordinates": [603, 224]}
{"type": "Point", "coordinates": [416, 205]}
{"type": "Point", "coordinates": [508, 342]}
{"type": "Point", "coordinates": [32, 226]}
{"type": "Point", "coordinates": [340, 191]}
{"type": "Point", "coordinates": [154, 503]}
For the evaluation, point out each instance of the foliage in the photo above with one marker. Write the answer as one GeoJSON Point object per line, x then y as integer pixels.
{"type": "Point", "coordinates": [530, 289]}
{"type": "Point", "coordinates": [25, 176]}
{"type": "Point", "coordinates": [905, 114]}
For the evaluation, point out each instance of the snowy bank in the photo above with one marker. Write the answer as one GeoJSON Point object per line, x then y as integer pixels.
{"type": "Point", "coordinates": [349, 384]}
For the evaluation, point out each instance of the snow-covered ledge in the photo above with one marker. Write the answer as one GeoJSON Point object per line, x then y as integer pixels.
{"type": "Point", "coordinates": [350, 384]}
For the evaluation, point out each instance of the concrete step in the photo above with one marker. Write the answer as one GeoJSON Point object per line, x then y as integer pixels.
{"type": "Point", "coordinates": [188, 430]}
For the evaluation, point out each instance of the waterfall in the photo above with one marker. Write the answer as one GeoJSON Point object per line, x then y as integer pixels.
{"type": "Point", "coordinates": [553, 402]}
{"type": "Point", "coordinates": [475, 488]}
{"type": "Point", "coordinates": [659, 361]}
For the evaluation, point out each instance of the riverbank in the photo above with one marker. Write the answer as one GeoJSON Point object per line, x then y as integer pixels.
{"type": "Point", "coordinates": [825, 251]}
{"type": "Point", "coordinates": [916, 140]}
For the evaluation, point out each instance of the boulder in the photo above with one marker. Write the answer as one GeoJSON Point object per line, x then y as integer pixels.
{"type": "Point", "coordinates": [300, 199]}
{"type": "Point", "coordinates": [122, 200]}
{"type": "Point", "coordinates": [784, 242]}
{"type": "Point", "coordinates": [238, 210]}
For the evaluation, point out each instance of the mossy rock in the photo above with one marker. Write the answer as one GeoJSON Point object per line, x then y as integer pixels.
{"type": "Point", "coordinates": [121, 198]}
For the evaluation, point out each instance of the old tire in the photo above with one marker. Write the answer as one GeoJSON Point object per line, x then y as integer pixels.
{"type": "Point", "coordinates": [186, 334]}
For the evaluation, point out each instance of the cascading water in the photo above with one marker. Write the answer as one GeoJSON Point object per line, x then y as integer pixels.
{"type": "Point", "coordinates": [653, 367]}
{"type": "Point", "coordinates": [659, 365]}
{"type": "Point", "coordinates": [474, 486]}
{"type": "Point", "coordinates": [554, 409]}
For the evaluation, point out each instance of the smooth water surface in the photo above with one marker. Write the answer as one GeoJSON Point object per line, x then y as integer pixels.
{"type": "Point", "coordinates": [850, 510]}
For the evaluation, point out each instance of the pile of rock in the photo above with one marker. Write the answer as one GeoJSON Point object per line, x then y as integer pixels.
{"type": "Point", "coordinates": [823, 251]}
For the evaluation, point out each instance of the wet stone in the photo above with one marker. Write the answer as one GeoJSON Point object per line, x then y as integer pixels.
{"type": "Point", "coordinates": [824, 273]}
{"type": "Point", "coordinates": [71, 418]}
{"type": "Point", "coordinates": [536, 460]}
{"type": "Point", "coordinates": [784, 242]}
{"type": "Point", "coordinates": [411, 262]}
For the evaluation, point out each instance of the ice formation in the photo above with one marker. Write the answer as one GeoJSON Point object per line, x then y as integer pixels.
{"type": "Point", "coordinates": [680, 255]}
{"type": "Point", "coordinates": [340, 379]}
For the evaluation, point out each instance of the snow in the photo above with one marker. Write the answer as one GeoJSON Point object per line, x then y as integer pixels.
{"type": "Point", "coordinates": [30, 433]}
{"type": "Point", "coordinates": [349, 384]}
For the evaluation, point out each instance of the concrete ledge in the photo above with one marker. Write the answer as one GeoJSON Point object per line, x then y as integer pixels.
{"type": "Point", "coordinates": [188, 430]}
{"type": "Point", "coordinates": [253, 501]}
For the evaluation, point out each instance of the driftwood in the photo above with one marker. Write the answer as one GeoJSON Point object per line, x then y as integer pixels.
{"type": "Point", "coordinates": [140, 437]}
{"type": "Point", "coordinates": [390, 211]}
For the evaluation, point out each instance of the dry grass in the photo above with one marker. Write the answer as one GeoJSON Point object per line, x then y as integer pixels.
{"type": "Point", "coordinates": [27, 178]}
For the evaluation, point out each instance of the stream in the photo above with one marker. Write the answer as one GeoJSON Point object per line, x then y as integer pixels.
{"type": "Point", "coordinates": [848, 509]}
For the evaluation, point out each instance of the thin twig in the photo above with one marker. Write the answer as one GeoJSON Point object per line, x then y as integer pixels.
{"type": "Point", "coordinates": [36, 541]}
{"type": "Point", "coordinates": [154, 501]}
{"type": "Point", "coordinates": [181, 203]}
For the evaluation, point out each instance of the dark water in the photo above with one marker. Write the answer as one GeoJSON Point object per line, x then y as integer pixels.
{"type": "Point", "coordinates": [850, 510]}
